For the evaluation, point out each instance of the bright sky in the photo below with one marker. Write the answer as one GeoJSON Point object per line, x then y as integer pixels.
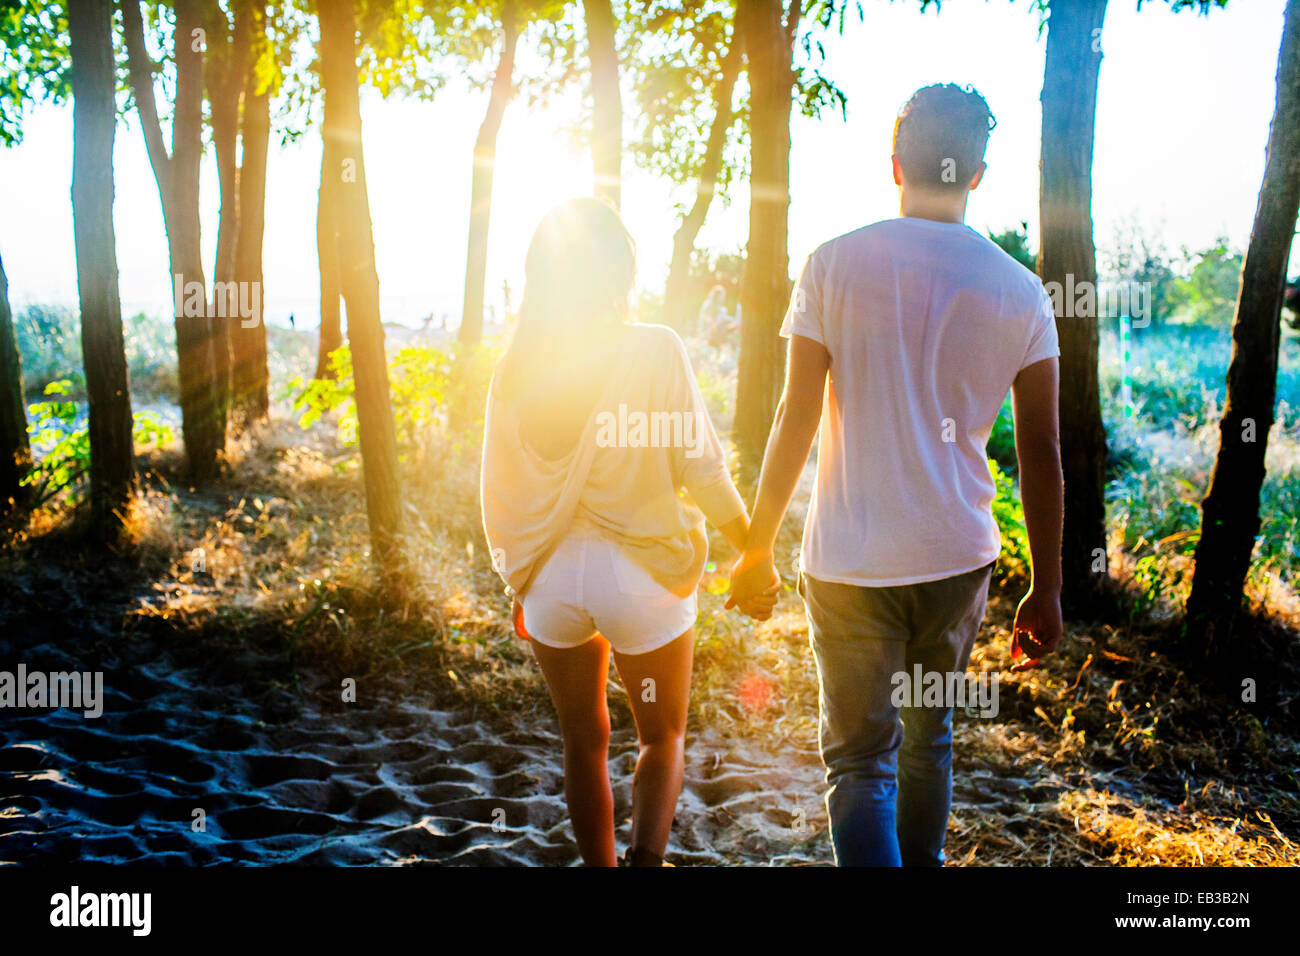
{"type": "Point", "coordinates": [1183, 114]}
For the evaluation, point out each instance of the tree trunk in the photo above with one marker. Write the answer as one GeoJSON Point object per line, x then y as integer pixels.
{"type": "Point", "coordinates": [249, 375]}
{"type": "Point", "coordinates": [178, 188]}
{"type": "Point", "coordinates": [15, 449]}
{"type": "Point", "coordinates": [678, 302]}
{"type": "Point", "coordinates": [480, 209]}
{"type": "Point", "coordinates": [765, 284]}
{"type": "Point", "coordinates": [360, 284]}
{"type": "Point", "coordinates": [112, 469]}
{"type": "Point", "coordinates": [606, 101]}
{"type": "Point", "coordinates": [1067, 256]}
{"type": "Point", "coordinates": [1230, 512]}
{"type": "Point", "coordinates": [227, 68]}
{"type": "Point", "coordinates": [331, 318]}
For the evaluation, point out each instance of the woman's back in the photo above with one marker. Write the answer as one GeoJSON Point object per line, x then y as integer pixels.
{"type": "Point", "coordinates": [609, 438]}
{"type": "Point", "coordinates": [559, 390]}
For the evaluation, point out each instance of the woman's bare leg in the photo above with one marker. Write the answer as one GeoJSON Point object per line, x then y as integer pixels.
{"type": "Point", "coordinates": [576, 678]}
{"type": "Point", "coordinates": [659, 687]}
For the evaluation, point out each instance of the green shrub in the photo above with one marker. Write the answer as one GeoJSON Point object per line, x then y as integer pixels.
{"type": "Point", "coordinates": [61, 441]}
{"type": "Point", "coordinates": [425, 385]}
{"type": "Point", "coordinates": [1002, 440]}
{"type": "Point", "coordinates": [1010, 516]}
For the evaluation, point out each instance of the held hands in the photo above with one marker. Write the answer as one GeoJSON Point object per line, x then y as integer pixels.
{"type": "Point", "coordinates": [755, 585]}
{"type": "Point", "coordinates": [1037, 628]}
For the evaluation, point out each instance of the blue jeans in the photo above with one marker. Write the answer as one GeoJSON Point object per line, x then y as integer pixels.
{"type": "Point", "coordinates": [889, 768]}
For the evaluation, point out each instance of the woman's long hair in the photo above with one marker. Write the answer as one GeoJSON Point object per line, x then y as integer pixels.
{"type": "Point", "coordinates": [577, 278]}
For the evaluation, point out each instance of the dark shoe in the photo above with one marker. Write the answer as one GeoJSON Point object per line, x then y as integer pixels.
{"type": "Point", "coordinates": [636, 856]}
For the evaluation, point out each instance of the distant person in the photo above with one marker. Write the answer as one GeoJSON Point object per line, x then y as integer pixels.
{"type": "Point", "coordinates": [717, 324]}
{"type": "Point", "coordinates": [921, 325]}
{"type": "Point", "coordinates": [583, 512]}
{"type": "Point", "coordinates": [714, 304]}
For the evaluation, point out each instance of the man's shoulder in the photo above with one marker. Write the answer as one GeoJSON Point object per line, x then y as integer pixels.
{"type": "Point", "coordinates": [853, 239]}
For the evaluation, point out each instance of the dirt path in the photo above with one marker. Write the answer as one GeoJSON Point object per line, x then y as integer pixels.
{"type": "Point", "coordinates": [397, 781]}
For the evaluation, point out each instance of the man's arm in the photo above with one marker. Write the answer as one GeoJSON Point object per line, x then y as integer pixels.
{"type": "Point", "coordinates": [1034, 397]}
{"type": "Point", "coordinates": [788, 447]}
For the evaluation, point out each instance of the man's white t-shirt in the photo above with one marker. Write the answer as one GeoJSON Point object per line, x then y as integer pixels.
{"type": "Point", "coordinates": [927, 324]}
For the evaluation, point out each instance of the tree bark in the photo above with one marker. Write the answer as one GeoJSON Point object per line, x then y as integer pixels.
{"type": "Point", "coordinates": [485, 152]}
{"type": "Point", "coordinates": [178, 188]}
{"type": "Point", "coordinates": [112, 468]}
{"type": "Point", "coordinates": [1230, 518]}
{"type": "Point", "coordinates": [606, 101]}
{"type": "Point", "coordinates": [331, 318]}
{"type": "Point", "coordinates": [1067, 256]}
{"type": "Point", "coordinates": [765, 283]}
{"type": "Point", "coordinates": [15, 448]}
{"type": "Point", "coordinates": [360, 284]}
{"type": "Point", "coordinates": [227, 70]}
{"type": "Point", "coordinates": [678, 302]}
{"type": "Point", "coordinates": [249, 375]}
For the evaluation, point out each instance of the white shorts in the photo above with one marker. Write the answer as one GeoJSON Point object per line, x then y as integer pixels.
{"type": "Point", "coordinates": [588, 584]}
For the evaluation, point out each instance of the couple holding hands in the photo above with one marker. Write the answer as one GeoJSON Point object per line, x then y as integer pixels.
{"type": "Point", "coordinates": [904, 338]}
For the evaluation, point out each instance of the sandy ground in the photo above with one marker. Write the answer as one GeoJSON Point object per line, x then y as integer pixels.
{"type": "Point", "coordinates": [393, 781]}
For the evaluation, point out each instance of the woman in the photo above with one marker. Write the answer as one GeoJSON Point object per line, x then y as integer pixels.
{"type": "Point", "coordinates": [594, 428]}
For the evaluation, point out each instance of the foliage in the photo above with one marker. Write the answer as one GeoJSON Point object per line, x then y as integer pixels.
{"type": "Point", "coordinates": [1161, 458]}
{"type": "Point", "coordinates": [1010, 516]}
{"type": "Point", "coordinates": [49, 341]}
{"type": "Point", "coordinates": [425, 384]}
{"type": "Point", "coordinates": [674, 49]}
{"type": "Point", "coordinates": [1001, 445]}
{"type": "Point", "coordinates": [1015, 243]}
{"type": "Point", "coordinates": [1208, 293]}
{"type": "Point", "coordinates": [1138, 256]}
{"type": "Point", "coordinates": [35, 62]}
{"type": "Point", "coordinates": [673, 52]}
{"type": "Point", "coordinates": [59, 430]}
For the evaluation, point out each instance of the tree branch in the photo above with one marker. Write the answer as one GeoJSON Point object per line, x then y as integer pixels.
{"type": "Point", "coordinates": [141, 72]}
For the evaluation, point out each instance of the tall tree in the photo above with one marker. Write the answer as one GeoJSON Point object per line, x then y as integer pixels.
{"type": "Point", "coordinates": [485, 149]}
{"type": "Point", "coordinates": [359, 280]}
{"type": "Point", "coordinates": [677, 299]}
{"type": "Point", "coordinates": [177, 176]}
{"type": "Point", "coordinates": [249, 374]}
{"type": "Point", "coordinates": [768, 31]}
{"type": "Point", "coordinates": [1067, 256]}
{"type": "Point", "coordinates": [1230, 512]}
{"type": "Point", "coordinates": [15, 449]}
{"type": "Point", "coordinates": [34, 58]}
{"type": "Point", "coordinates": [606, 100]}
{"type": "Point", "coordinates": [331, 289]}
{"type": "Point", "coordinates": [112, 471]}
{"type": "Point", "coordinates": [225, 75]}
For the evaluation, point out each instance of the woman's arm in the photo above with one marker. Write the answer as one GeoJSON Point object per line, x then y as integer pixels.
{"type": "Point", "coordinates": [791, 440]}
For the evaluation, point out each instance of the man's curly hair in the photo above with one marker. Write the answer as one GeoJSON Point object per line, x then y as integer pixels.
{"type": "Point", "coordinates": [940, 136]}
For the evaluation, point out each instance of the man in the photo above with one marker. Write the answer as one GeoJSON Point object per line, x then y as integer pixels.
{"type": "Point", "coordinates": [921, 326]}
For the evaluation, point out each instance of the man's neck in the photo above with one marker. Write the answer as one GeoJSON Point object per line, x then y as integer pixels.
{"type": "Point", "coordinates": [936, 208]}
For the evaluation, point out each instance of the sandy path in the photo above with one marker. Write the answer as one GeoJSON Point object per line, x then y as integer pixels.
{"type": "Point", "coordinates": [397, 781]}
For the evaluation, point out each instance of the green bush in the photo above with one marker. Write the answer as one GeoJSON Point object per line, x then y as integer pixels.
{"type": "Point", "coordinates": [1010, 516]}
{"type": "Point", "coordinates": [426, 386]}
{"type": "Point", "coordinates": [1002, 440]}
{"type": "Point", "coordinates": [61, 440]}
